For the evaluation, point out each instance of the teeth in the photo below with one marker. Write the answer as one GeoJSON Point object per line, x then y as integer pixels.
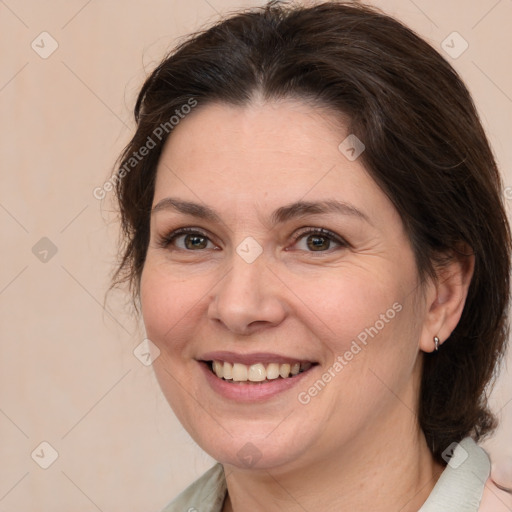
{"type": "Point", "coordinates": [305, 366]}
{"type": "Point", "coordinates": [272, 371]}
{"type": "Point", "coordinates": [238, 372]}
{"type": "Point", "coordinates": [217, 368]}
{"type": "Point", "coordinates": [284, 370]}
{"type": "Point", "coordinates": [257, 373]}
{"type": "Point", "coordinates": [228, 371]}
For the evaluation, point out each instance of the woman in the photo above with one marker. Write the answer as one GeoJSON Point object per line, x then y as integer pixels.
{"type": "Point", "coordinates": [314, 228]}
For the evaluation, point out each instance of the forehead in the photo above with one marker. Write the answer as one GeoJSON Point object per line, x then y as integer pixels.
{"type": "Point", "coordinates": [268, 154]}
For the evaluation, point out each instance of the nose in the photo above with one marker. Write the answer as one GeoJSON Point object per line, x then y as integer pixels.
{"type": "Point", "coordinates": [248, 298]}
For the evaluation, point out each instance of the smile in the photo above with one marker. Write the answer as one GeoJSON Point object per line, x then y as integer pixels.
{"type": "Point", "coordinates": [259, 372]}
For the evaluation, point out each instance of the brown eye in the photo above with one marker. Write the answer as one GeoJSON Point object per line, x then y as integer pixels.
{"type": "Point", "coordinates": [195, 241]}
{"type": "Point", "coordinates": [187, 239]}
{"type": "Point", "coordinates": [318, 240]}
{"type": "Point", "coordinates": [318, 243]}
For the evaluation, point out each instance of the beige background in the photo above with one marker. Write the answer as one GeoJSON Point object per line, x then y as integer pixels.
{"type": "Point", "coordinates": [68, 375]}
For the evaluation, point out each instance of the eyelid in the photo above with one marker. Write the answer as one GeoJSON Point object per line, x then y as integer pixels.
{"type": "Point", "coordinates": [165, 240]}
{"type": "Point", "coordinates": [320, 231]}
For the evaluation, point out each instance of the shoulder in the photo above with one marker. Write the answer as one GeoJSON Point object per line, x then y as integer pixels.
{"type": "Point", "coordinates": [468, 483]}
{"type": "Point", "coordinates": [206, 494]}
{"type": "Point", "coordinates": [461, 485]}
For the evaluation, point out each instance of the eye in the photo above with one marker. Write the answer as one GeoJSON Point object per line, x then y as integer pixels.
{"type": "Point", "coordinates": [317, 240]}
{"type": "Point", "coordinates": [187, 239]}
{"type": "Point", "coordinates": [308, 239]}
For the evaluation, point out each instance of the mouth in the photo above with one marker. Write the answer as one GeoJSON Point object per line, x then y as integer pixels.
{"type": "Point", "coordinates": [255, 377]}
{"type": "Point", "coordinates": [257, 373]}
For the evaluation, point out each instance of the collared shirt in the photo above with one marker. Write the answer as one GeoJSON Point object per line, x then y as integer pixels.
{"type": "Point", "coordinates": [459, 488]}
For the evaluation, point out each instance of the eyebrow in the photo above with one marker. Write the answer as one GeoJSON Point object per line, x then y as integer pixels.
{"type": "Point", "coordinates": [283, 214]}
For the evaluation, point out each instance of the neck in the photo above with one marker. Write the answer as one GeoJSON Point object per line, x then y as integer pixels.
{"type": "Point", "coordinates": [368, 474]}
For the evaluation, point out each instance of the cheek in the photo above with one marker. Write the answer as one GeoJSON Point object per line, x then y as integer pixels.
{"type": "Point", "coordinates": [368, 324]}
{"type": "Point", "coordinates": [168, 305]}
{"type": "Point", "coordinates": [349, 304]}
{"type": "Point", "coordinates": [170, 313]}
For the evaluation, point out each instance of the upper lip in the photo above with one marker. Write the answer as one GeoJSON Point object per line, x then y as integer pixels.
{"type": "Point", "coordinates": [252, 358]}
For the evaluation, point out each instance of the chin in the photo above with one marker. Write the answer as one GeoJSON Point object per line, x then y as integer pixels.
{"type": "Point", "coordinates": [252, 450]}
{"type": "Point", "coordinates": [252, 456]}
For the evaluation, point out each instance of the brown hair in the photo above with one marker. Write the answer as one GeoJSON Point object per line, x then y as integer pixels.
{"type": "Point", "coordinates": [425, 147]}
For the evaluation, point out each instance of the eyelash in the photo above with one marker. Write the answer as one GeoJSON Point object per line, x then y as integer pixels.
{"type": "Point", "coordinates": [166, 240]}
{"type": "Point", "coordinates": [320, 231]}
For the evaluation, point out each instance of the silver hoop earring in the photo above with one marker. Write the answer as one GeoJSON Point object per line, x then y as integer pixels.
{"type": "Point", "coordinates": [436, 343]}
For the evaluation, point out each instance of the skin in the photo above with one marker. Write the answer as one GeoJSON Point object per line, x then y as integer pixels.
{"type": "Point", "coordinates": [496, 497]}
{"type": "Point", "coordinates": [356, 445]}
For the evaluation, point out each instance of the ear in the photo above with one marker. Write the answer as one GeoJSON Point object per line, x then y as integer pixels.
{"type": "Point", "coordinates": [445, 298]}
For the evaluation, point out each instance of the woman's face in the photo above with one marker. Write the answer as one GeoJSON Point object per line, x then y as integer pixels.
{"type": "Point", "coordinates": [291, 255]}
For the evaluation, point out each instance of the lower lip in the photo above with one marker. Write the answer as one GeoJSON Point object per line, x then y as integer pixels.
{"type": "Point", "coordinates": [251, 392]}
